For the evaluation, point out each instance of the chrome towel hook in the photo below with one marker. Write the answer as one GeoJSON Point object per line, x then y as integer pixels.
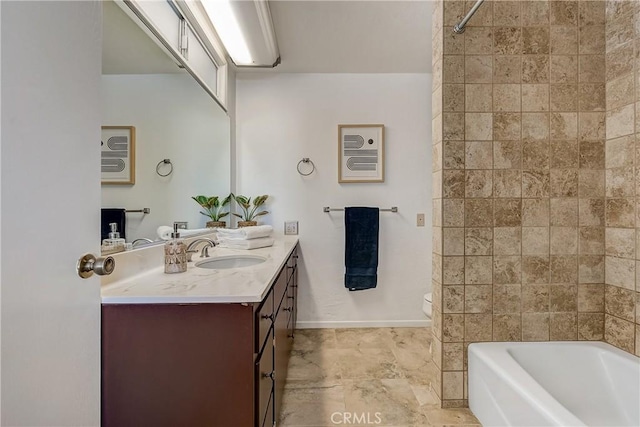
{"type": "Point", "coordinates": [306, 160]}
{"type": "Point", "coordinates": [164, 162]}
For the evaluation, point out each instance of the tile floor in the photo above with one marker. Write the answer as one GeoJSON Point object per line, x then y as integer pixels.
{"type": "Point", "coordinates": [381, 376]}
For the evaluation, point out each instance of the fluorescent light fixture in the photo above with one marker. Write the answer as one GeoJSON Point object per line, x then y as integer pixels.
{"type": "Point", "coordinates": [246, 30]}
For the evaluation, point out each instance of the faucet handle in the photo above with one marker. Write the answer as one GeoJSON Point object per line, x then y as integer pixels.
{"type": "Point", "coordinates": [190, 255]}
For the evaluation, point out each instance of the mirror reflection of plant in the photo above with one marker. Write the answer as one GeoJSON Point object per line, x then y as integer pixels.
{"type": "Point", "coordinates": [249, 209]}
{"type": "Point", "coordinates": [213, 206]}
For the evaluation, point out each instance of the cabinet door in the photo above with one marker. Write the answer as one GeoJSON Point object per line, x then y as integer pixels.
{"type": "Point", "coordinates": [265, 376]}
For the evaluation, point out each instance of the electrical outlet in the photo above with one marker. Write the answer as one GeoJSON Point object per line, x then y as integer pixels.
{"type": "Point", "coordinates": [420, 220]}
{"type": "Point", "coordinates": [291, 227]}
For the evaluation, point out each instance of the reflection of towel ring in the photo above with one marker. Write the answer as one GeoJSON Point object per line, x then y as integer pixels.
{"type": "Point", "coordinates": [164, 162]}
{"type": "Point", "coordinates": [306, 160]}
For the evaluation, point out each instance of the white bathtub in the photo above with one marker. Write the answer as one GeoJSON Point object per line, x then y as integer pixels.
{"type": "Point", "coordinates": [553, 384]}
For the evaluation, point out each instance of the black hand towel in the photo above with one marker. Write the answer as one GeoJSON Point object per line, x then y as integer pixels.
{"type": "Point", "coordinates": [361, 248]}
{"type": "Point", "coordinates": [110, 215]}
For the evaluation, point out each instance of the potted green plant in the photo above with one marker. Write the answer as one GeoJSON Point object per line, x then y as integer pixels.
{"type": "Point", "coordinates": [249, 209]}
{"type": "Point", "coordinates": [213, 208]}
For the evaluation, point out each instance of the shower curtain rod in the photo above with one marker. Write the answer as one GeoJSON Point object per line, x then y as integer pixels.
{"type": "Point", "coordinates": [459, 27]}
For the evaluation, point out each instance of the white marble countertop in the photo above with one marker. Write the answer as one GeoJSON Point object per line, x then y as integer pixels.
{"type": "Point", "coordinates": [201, 285]}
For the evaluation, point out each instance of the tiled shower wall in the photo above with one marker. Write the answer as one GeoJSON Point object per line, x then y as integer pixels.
{"type": "Point", "coordinates": [622, 289]}
{"type": "Point", "coordinates": [519, 178]}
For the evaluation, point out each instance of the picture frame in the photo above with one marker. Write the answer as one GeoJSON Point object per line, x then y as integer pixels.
{"type": "Point", "coordinates": [118, 155]}
{"type": "Point", "coordinates": [361, 153]}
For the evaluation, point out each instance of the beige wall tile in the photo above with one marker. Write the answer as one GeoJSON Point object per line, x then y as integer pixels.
{"type": "Point", "coordinates": [453, 270]}
{"type": "Point", "coordinates": [535, 69]}
{"type": "Point", "coordinates": [453, 155]}
{"type": "Point", "coordinates": [506, 97]}
{"type": "Point", "coordinates": [478, 68]}
{"type": "Point", "coordinates": [478, 126]}
{"type": "Point", "coordinates": [453, 212]}
{"type": "Point", "coordinates": [620, 92]}
{"type": "Point", "coordinates": [563, 40]}
{"type": "Point", "coordinates": [535, 97]}
{"type": "Point", "coordinates": [620, 152]}
{"type": "Point", "coordinates": [591, 212]}
{"type": "Point", "coordinates": [535, 126]}
{"type": "Point", "coordinates": [506, 13]}
{"type": "Point", "coordinates": [453, 69]}
{"type": "Point", "coordinates": [452, 327]}
{"type": "Point", "coordinates": [564, 269]}
{"type": "Point", "coordinates": [507, 241]}
{"type": "Point", "coordinates": [591, 12]}
{"type": "Point", "coordinates": [590, 326]}
{"type": "Point", "coordinates": [590, 269]}
{"type": "Point", "coordinates": [453, 11]}
{"type": "Point", "coordinates": [619, 61]}
{"type": "Point", "coordinates": [507, 154]}
{"type": "Point", "coordinates": [478, 241]}
{"type": "Point", "coordinates": [452, 385]}
{"type": "Point", "coordinates": [620, 272]}
{"type": "Point", "coordinates": [478, 40]}
{"type": "Point", "coordinates": [620, 213]}
{"type": "Point", "coordinates": [535, 13]}
{"type": "Point", "coordinates": [592, 154]}
{"type": "Point", "coordinates": [507, 327]}
{"type": "Point", "coordinates": [478, 183]}
{"type": "Point", "coordinates": [484, 14]}
{"type": "Point", "coordinates": [453, 44]}
{"type": "Point", "coordinates": [479, 155]}
{"type": "Point", "coordinates": [564, 97]}
{"type": "Point", "coordinates": [564, 212]}
{"type": "Point", "coordinates": [564, 154]}
{"type": "Point", "coordinates": [620, 302]}
{"type": "Point", "coordinates": [477, 327]}
{"type": "Point", "coordinates": [452, 356]}
{"type": "Point", "coordinates": [478, 299]}
{"type": "Point", "coordinates": [453, 299]}
{"type": "Point", "coordinates": [535, 155]}
{"type": "Point", "coordinates": [564, 12]}
{"type": "Point", "coordinates": [507, 269]}
{"type": "Point", "coordinates": [563, 69]}
{"type": "Point", "coordinates": [535, 40]}
{"type": "Point", "coordinates": [619, 332]}
{"type": "Point", "coordinates": [563, 240]}
{"type": "Point", "coordinates": [620, 122]}
{"type": "Point", "coordinates": [478, 97]}
{"type": "Point", "coordinates": [563, 297]}
{"type": "Point", "coordinates": [507, 69]}
{"type": "Point", "coordinates": [591, 40]}
{"type": "Point", "coordinates": [591, 126]}
{"type": "Point", "coordinates": [591, 240]}
{"type": "Point", "coordinates": [535, 270]}
{"type": "Point", "coordinates": [453, 126]}
{"type": "Point", "coordinates": [453, 184]}
{"type": "Point", "coordinates": [535, 240]}
{"type": "Point", "coordinates": [507, 183]}
{"type": "Point", "coordinates": [535, 326]}
{"type": "Point", "coordinates": [506, 126]}
{"type": "Point", "coordinates": [507, 212]}
{"type": "Point", "coordinates": [478, 270]}
{"type": "Point", "coordinates": [591, 298]}
{"type": "Point", "coordinates": [592, 97]}
{"type": "Point", "coordinates": [535, 183]}
{"type": "Point", "coordinates": [507, 41]}
{"type": "Point", "coordinates": [453, 241]}
{"type": "Point", "coordinates": [535, 212]}
{"type": "Point", "coordinates": [563, 326]}
{"type": "Point", "coordinates": [591, 69]}
{"type": "Point", "coordinates": [620, 242]}
{"type": "Point", "coordinates": [478, 213]}
{"type": "Point", "coordinates": [506, 299]}
{"type": "Point", "coordinates": [564, 183]}
{"type": "Point", "coordinates": [591, 183]}
{"type": "Point", "coordinates": [564, 125]}
{"type": "Point", "coordinates": [453, 97]}
{"type": "Point", "coordinates": [436, 266]}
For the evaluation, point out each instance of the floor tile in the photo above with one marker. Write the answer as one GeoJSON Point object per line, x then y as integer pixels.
{"type": "Point", "coordinates": [368, 363]}
{"type": "Point", "coordinates": [314, 339]}
{"type": "Point", "coordinates": [364, 338]}
{"type": "Point", "coordinates": [437, 416]}
{"type": "Point", "coordinates": [308, 403]}
{"type": "Point", "coordinates": [411, 338]}
{"type": "Point", "coordinates": [416, 365]}
{"type": "Point", "coordinates": [314, 365]}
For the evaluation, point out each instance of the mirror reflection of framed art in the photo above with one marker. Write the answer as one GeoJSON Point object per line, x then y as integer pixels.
{"type": "Point", "coordinates": [118, 155]}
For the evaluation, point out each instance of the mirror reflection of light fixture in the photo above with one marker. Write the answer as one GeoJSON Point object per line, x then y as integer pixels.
{"type": "Point", "coordinates": [246, 30]}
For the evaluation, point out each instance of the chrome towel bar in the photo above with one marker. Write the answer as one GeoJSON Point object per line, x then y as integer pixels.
{"type": "Point", "coordinates": [327, 209]}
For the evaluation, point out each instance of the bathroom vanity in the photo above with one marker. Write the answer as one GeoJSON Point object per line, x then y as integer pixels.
{"type": "Point", "coordinates": [202, 348]}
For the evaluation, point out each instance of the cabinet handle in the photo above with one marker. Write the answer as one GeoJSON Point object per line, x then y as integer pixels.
{"type": "Point", "coordinates": [271, 375]}
{"type": "Point", "coordinates": [291, 297]}
{"type": "Point", "coordinates": [267, 316]}
{"type": "Point", "coordinates": [287, 309]}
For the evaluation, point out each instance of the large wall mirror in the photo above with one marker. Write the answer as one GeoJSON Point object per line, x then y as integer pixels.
{"type": "Point", "coordinates": [174, 118]}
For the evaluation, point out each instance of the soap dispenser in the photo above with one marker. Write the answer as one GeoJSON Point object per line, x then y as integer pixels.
{"type": "Point", "coordinates": [114, 243]}
{"type": "Point", "coordinates": [175, 253]}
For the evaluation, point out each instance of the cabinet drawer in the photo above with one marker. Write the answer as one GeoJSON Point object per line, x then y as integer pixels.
{"type": "Point", "coordinates": [265, 379]}
{"type": "Point", "coordinates": [279, 290]}
{"type": "Point", "coordinates": [264, 321]}
{"type": "Point", "coordinates": [269, 415]}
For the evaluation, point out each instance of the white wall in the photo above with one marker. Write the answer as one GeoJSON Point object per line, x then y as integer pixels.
{"type": "Point", "coordinates": [282, 118]}
{"type": "Point", "coordinates": [176, 119]}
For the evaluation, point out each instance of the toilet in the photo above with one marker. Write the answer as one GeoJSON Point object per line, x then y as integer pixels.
{"type": "Point", "coordinates": [426, 304]}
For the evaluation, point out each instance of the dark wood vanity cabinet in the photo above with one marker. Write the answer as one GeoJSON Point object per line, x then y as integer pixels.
{"type": "Point", "coordinates": [199, 364]}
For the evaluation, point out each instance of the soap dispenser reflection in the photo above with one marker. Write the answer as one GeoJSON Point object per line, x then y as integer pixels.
{"type": "Point", "coordinates": [175, 253]}
{"type": "Point", "coordinates": [114, 243]}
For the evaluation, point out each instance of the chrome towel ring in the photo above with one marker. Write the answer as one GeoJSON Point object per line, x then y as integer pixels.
{"type": "Point", "coordinates": [306, 160]}
{"type": "Point", "coordinates": [164, 162]}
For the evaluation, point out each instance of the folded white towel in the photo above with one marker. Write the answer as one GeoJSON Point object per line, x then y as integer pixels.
{"type": "Point", "coordinates": [164, 232]}
{"type": "Point", "coordinates": [260, 242]}
{"type": "Point", "coordinates": [246, 233]}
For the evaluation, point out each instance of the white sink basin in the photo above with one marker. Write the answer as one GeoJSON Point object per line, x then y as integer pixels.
{"type": "Point", "coordinates": [231, 261]}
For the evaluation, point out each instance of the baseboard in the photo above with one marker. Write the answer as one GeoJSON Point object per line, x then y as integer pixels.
{"type": "Point", "coordinates": [300, 324]}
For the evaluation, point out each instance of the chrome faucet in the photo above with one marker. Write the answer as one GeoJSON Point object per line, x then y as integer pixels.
{"type": "Point", "coordinates": [142, 239]}
{"type": "Point", "coordinates": [205, 249]}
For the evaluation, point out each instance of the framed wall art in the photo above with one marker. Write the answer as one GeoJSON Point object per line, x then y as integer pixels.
{"type": "Point", "coordinates": [360, 153]}
{"type": "Point", "coordinates": [118, 155]}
